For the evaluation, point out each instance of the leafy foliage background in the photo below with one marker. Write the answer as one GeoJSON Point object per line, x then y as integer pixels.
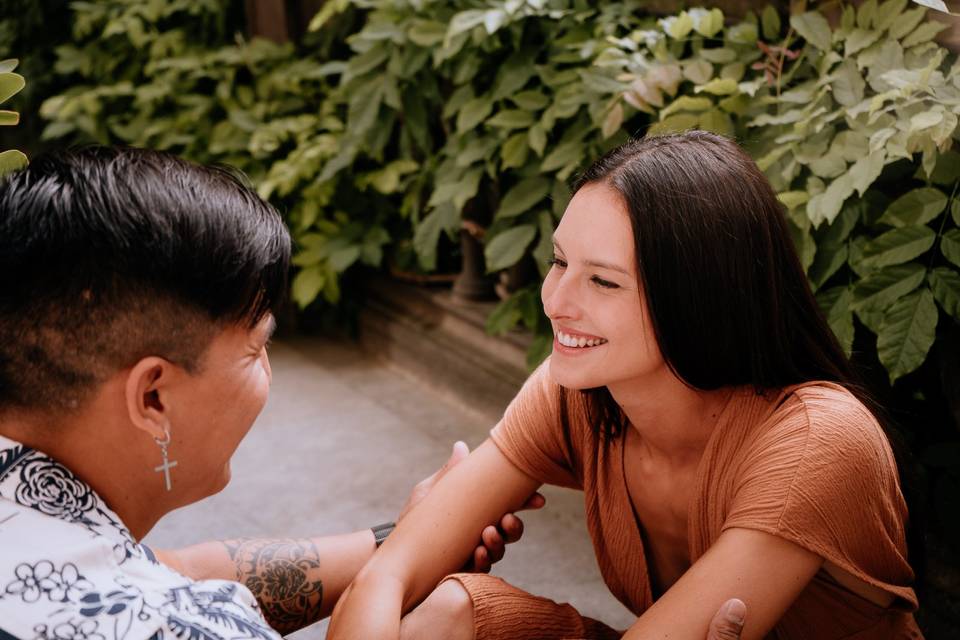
{"type": "Point", "coordinates": [394, 121]}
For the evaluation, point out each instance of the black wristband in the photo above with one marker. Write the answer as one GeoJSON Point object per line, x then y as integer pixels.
{"type": "Point", "coordinates": [381, 531]}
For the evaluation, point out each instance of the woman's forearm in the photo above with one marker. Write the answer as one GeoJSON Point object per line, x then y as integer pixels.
{"type": "Point", "coordinates": [371, 607]}
{"type": "Point", "coordinates": [297, 581]}
{"type": "Point", "coordinates": [430, 543]}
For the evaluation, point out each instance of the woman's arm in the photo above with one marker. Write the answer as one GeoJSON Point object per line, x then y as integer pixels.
{"type": "Point", "coordinates": [432, 542]}
{"type": "Point", "coordinates": [764, 571]}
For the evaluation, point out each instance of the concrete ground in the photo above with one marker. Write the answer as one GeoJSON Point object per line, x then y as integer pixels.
{"type": "Point", "coordinates": [340, 444]}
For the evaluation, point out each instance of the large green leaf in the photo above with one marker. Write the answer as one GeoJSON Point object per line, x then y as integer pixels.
{"type": "Point", "coordinates": [882, 288]}
{"type": "Point", "coordinates": [307, 285]}
{"type": "Point", "coordinates": [458, 191]}
{"type": "Point", "coordinates": [770, 21]}
{"type": "Point", "coordinates": [813, 28]}
{"type": "Point", "coordinates": [507, 247]}
{"type": "Point", "coordinates": [907, 333]}
{"type": "Point", "coordinates": [859, 39]}
{"type": "Point", "coordinates": [473, 113]}
{"type": "Point", "coordinates": [898, 246]}
{"type": "Point", "coordinates": [11, 160]}
{"type": "Point", "coordinates": [827, 261]}
{"type": "Point", "coordinates": [532, 100]}
{"type": "Point", "coordinates": [425, 237]}
{"type": "Point", "coordinates": [563, 155]}
{"type": "Point", "coordinates": [686, 103]}
{"type": "Point", "coordinates": [848, 84]}
{"type": "Point", "coordinates": [368, 61]}
{"type": "Point", "coordinates": [804, 243]}
{"type": "Point", "coordinates": [950, 246]}
{"type": "Point", "coordinates": [719, 86]}
{"type": "Point", "coordinates": [465, 21]}
{"type": "Point", "coordinates": [835, 304]}
{"type": "Point", "coordinates": [915, 207]}
{"type": "Point", "coordinates": [544, 249]}
{"type": "Point", "coordinates": [867, 169]}
{"type": "Point", "coordinates": [504, 317]}
{"type": "Point", "coordinates": [523, 196]}
{"type": "Point", "coordinates": [426, 33]}
{"type": "Point", "coordinates": [10, 84]}
{"type": "Point", "coordinates": [514, 151]}
{"type": "Point", "coordinates": [947, 170]}
{"type": "Point", "coordinates": [907, 22]}
{"type": "Point", "coordinates": [511, 119]}
{"type": "Point", "coordinates": [888, 12]}
{"type": "Point", "coordinates": [825, 207]}
{"type": "Point", "coordinates": [538, 138]}
{"type": "Point", "coordinates": [945, 284]}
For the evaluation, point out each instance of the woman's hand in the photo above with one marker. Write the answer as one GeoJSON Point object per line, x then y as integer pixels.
{"type": "Point", "coordinates": [493, 539]}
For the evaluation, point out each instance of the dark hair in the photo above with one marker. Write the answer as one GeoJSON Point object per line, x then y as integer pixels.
{"type": "Point", "coordinates": [108, 255]}
{"type": "Point", "coordinates": [728, 299]}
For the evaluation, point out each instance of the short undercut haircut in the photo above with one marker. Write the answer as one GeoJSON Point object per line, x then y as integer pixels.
{"type": "Point", "coordinates": [109, 255]}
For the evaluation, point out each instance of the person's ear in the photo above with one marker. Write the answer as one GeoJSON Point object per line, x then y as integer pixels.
{"type": "Point", "coordinates": [146, 391]}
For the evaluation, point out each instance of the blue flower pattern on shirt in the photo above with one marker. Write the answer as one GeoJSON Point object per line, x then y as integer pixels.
{"type": "Point", "coordinates": [70, 569]}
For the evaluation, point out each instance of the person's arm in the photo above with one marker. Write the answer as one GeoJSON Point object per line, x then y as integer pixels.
{"type": "Point", "coordinates": [295, 580]}
{"type": "Point", "coordinates": [430, 543]}
{"type": "Point", "coordinates": [764, 571]}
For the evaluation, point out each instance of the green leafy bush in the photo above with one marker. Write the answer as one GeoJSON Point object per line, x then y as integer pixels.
{"type": "Point", "coordinates": [396, 120]}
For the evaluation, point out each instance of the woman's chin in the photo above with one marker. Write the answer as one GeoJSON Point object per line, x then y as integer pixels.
{"type": "Point", "coordinates": [573, 378]}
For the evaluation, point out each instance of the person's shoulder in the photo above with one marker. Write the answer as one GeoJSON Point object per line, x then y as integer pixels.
{"type": "Point", "coordinates": [831, 413]}
{"type": "Point", "coordinates": [817, 422]}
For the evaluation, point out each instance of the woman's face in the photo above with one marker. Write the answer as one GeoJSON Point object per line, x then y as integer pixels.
{"type": "Point", "coordinates": [601, 328]}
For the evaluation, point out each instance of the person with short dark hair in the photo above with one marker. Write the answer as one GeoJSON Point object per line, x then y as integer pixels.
{"type": "Point", "coordinates": [137, 294]}
{"type": "Point", "coordinates": [698, 398]}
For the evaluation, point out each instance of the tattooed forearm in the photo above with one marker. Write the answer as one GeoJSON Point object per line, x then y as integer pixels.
{"type": "Point", "coordinates": [283, 575]}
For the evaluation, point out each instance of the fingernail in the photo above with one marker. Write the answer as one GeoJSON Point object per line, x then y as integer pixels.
{"type": "Point", "coordinates": [735, 612]}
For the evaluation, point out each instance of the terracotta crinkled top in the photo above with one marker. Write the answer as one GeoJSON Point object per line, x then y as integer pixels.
{"type": "Point", "coordinates": [809, 464]}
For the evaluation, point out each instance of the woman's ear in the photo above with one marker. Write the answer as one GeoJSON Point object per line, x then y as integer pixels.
{"type": "Point", "coordinates": [146, 390]}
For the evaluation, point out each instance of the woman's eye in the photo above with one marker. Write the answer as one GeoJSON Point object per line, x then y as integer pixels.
{"type": "Point", "coordinates": [606, 284]}
{"type": "Point", "coordinates": [557, 262]}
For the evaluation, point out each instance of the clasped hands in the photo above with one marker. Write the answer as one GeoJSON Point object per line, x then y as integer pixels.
{"type": "Point", "coordinates": [726, 624]}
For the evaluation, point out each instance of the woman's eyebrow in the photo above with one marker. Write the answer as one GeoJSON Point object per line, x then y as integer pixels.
{"type": "Point", "coordinates": [606, 265]}
{"type": "Point", "coordinates": [596, 263]}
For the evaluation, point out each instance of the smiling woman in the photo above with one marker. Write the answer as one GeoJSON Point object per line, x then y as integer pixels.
{"type": "Point", "coordinates": [697, 397]}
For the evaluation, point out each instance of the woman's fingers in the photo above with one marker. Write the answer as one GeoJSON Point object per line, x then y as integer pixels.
{"type": "Point", "coordinates": [481, 560]}
{"type": "Point", "coordinates": [494, 543]}
{"type": "Point", "coordinates": [512, 527]}
{"type": "Point", "coordinates": [536, 501]}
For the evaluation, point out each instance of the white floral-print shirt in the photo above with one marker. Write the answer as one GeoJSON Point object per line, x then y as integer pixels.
{"type": "Point", "coordinates": [70, 570]}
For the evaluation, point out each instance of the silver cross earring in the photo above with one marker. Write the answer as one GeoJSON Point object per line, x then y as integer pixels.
{"type": "Point", "coordinates": [167, 465]}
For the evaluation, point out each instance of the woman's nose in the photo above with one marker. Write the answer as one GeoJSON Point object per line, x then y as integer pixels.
{"type": "Point", "coordinates": [559, 296]}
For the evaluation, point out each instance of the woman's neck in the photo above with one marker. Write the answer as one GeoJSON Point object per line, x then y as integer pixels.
{"type": "Point", "coordinates": [674, 421]}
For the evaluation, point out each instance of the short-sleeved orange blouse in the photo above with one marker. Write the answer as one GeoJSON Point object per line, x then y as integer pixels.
{"type": "Point", "coordinates": [808, 463]}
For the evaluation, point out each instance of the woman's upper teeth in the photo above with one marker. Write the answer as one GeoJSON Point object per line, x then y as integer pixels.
{"type": "Point", "coordinates": [568, 340]}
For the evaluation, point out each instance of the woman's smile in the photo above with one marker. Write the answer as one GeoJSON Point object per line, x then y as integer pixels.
{"type": "Point", "coordinates": [566, 340]}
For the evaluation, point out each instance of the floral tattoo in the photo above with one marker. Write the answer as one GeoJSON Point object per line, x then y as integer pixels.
{"type": "Point", "coordinates": [282, 575]}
